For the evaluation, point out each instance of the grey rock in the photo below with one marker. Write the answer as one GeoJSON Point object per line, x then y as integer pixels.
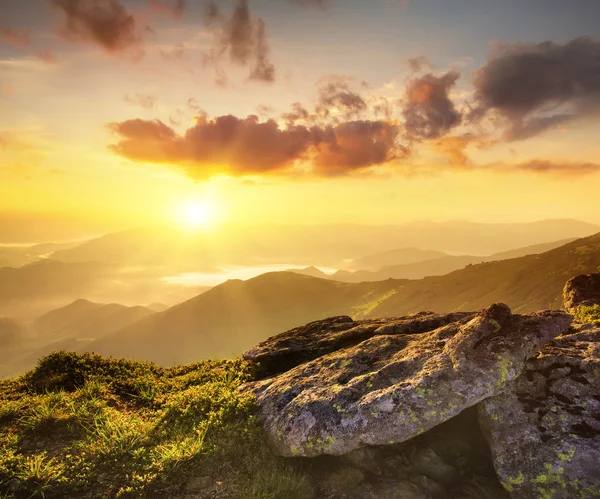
{"type": "Point", "coordinates": [544, 428]}
{"type": "Point", "coordinates": [582, 290]}
{"type": "Point", "coordinates": [393, 387]}
{"type": "Point", "coordinates": [302, 344]}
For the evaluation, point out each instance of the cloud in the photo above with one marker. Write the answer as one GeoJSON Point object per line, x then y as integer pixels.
{"type": "Point", "coordinates": [337, 97]}
{"type": "Point", "coordinates": [246, 146]}
{"type": "Point", "coordinates": [428, 112]}
{"type": "Point", "coordinates": [419, 63]}
{"type": "Point", "coordinates": [321, 4]}
{"type": "Point", "coordinates": [14, 38]}
{"type": "Point", "coordinates": [46, 56]}
{"type": "Point", "coordinates": [454, 148]}
{"type": "Point", "coordinates": [242, 39]}
{"type": "Point", "coordinates": [560, 168]}
{"type": "Point", "coordinates": [105, 22]}
{"type": "Point", "coordinates": [537, 87]}
{"type": "Point", "coordinates": [174, 7]}
{"type": "Point", "coordinates": [144, 100]}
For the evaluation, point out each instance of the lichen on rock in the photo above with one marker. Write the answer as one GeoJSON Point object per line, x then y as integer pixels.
{"type": "Point", "coordinates": [544, 428]}
{"type": "Point", "coordinates": [390, 388]}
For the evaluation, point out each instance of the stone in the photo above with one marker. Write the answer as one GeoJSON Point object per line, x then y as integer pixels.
{"type": "Point", "coordinates": [544, 428]}
{"type": "Point", "coordinates": [393, 387]}
{"type": "Point", "coordinates": [583, 290]}
{"type": "Point", "coordinates": [302, 344]}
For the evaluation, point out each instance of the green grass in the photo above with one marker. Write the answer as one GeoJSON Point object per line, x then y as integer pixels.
{"type": "Point", "coordinates": [588, 315]}
{"type": "Point", "coordinates": [85, 426]}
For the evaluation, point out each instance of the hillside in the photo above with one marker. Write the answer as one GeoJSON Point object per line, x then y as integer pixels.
{"type": "Point", "coordinates": [235, 315]}
{"type": "Point", "coordinates": [86, 319]}
{"type": "Point", "coordinates": [526, 284]}
{"type": "Point", "coordinates": [440, 265]}
{"type": "Point", "coordinates": [227, 319]}
{"type": "Point", "coordinates": [11, 334]}
{"type": "Point", "coordinates": [401, 256]}
{"type": "Point", "coordinates": [68, 328]}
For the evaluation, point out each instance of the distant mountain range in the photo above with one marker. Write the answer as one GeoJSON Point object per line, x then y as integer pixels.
{"type": "Point", "coordinates": [317, 245]}
{"type": "Point", "coordinates": [227, 319]}
{"type": "Point", "coordinates": [427, 265]}
{"type": "Point", "coordinates": [71, 327]}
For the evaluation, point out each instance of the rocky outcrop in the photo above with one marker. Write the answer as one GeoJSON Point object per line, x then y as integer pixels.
{"type": "Point", "coordinates": [544, 428]}
{"type": "Point", "coordinates": [583, 290]}
{"type": "Point", "coordinates": [389, 385]}
{"type": "Point", "coordinates": [302, 344]}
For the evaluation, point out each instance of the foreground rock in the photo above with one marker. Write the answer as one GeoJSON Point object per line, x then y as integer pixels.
{"type": "Point", "coordinates": [583, 290]}
{"type": "Point", "coordinates": [452, 461]}
{"type": "Point", "coordinates": [393, 387]}
{"type": "Point", "coordinates": [302, 344]}
{"type": "Point", "coordinates": [544, 429]}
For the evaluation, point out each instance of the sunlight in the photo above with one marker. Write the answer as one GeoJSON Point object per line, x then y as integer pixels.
{"type": "Point", "coordinates": [196, 214]}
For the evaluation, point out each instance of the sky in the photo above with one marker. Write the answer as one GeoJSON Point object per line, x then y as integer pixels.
{"type": "Point", "coordinates": [119, 113]}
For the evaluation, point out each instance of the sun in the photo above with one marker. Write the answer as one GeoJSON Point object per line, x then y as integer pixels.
{"type": "Point", "coordinates": [196, 214]}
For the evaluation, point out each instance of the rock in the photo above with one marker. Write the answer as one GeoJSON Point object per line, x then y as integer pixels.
{"type": "Point", "coordinates": [583, 290]}
{"type": "Point", "coordinates": [544, 428]}
{"type": "Point", "coordinates": [302, 344]}
{"type": "Point", "coordinates": [393, 387]}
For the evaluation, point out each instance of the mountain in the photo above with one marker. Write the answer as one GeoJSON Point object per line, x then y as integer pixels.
{"type": "Point", "coordinates": [325, 245]}
{"type": "Point", "coordinates": [11, 334]}
{"type": "Point", "coordinates": [230, 318]}
{"type": "Point", "coordinates": [227, 319]}
{"type": "Point", "coordinates": [69, 328]}
{"type": "Point", "coordinates": [526, 284]}
{"type": "Point", "coordinates": [44, 284]}
{"type": "Point", "coordinates": [439, 266]}
{"type": "Point", "coordinates": [17, 256]}
{"type": "Point", "coordinates": [402, 256]}
{"type": "Point", "coordinates": [85, 319]}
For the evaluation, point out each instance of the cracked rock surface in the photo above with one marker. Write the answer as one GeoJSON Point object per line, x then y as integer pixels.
{"type": "Point", "coordinates": [395, 384]}
{"type": "Point", "coordinates": [544, 428]}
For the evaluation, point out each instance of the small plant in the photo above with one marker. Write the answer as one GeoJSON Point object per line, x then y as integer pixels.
{"type": "Point", "coordinates": [39, 474]}
{"type": "Point", "coordinates": [275, 480]}
{"type": "Point", "coordinates": [588, 315]}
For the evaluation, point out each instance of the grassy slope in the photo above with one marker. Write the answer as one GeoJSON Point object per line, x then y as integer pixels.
{"type": "Point", "coordinates": [81, 426]}
{"type": "Point", "coordinates": [84, 426]}
{"type": "Point", "coordinates": [526, 284]}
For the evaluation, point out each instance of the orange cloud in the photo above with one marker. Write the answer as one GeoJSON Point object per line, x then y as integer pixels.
{"type": "Point", "coordinates": [241, 147]}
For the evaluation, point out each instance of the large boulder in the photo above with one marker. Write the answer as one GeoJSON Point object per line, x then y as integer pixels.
{"type": "Point", "coordinates": [544, 428]}
{"type": "Point", "coordinates": [299, 345]}
{"type": "Point", "coordinates": [583, 290]}
{"type": "Point", "coordinates": [393, 387]}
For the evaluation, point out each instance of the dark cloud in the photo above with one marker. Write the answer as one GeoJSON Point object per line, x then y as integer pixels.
{"type": "Point", "coordinates": [355, 145]}
{"type": "Point", "coordinates": [298, 113]}
{"type": "Point", "coordinates": [537, 87]}
{"type": "Point", "coordinates": [428, 112]}
{"type": "Point", "coordinates": [144, 100]}
{"type": "Point", "coordinates": [241, 147]}
{"type": "Point", "coordinates": [105, 22]}
{"type": "Point", "coordinates": [568, 168]}
{"type": "Point", "coordinates": [242, 39]}
{"type": "Point", "coordinates": [175, 7]}
{"type": "Point", "coordinates": [15, 38]}
{"type": "Point", "coordinates": [336, 96]}
{"type": "Point", "coordinates": [419, 63]}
